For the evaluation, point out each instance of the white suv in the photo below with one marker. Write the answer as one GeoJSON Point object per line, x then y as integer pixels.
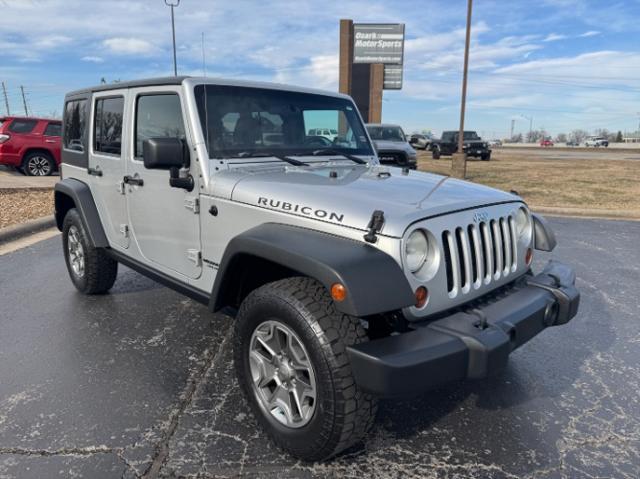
{"type": "Point", "coordinates": [596, 141]}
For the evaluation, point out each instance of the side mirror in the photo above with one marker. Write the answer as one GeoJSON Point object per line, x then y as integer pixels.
{"type": "Point", "coordinates": [163, 153]}
{"type": "Point", "coordinates": [168, 154]}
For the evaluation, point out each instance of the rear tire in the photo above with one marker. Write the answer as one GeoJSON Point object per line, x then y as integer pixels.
{"type": "Point", "coordinates": [91, 270]}
{"type": "Point", "coordinates": [38, 163]}
{"type": "Point", "coordinates": [342, 413]}
{"type": "Point", "coordinates": [485, 156]}
{"type": "Point", "coordinates": [435, 153]}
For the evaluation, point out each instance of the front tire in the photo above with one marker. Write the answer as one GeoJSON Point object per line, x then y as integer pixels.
{"type": "Point", "coordinates": [292, 365]}
{"type": "Point", "coordinates": [485, 156]}
{"type": "Point", "coordinates": [38, 163]}
{"type": "Point", "coordinates": [91, 270]}
{"type": "Point", "coordinates": [435, 153]}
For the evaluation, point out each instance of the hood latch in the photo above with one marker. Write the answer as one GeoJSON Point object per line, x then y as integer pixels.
{"type": "Point", "coordinates": [375, 225]}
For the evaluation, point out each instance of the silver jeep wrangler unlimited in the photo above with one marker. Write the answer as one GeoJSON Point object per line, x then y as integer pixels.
{"type": "Point", "coordinates": [348, 280]}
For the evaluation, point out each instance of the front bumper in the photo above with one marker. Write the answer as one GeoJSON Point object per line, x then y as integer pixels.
{"type": "Point", "coordinates": [472, 344]}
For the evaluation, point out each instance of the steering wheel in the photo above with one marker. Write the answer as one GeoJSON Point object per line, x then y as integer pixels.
{"type": "Point", "coordinates": [317, 141]}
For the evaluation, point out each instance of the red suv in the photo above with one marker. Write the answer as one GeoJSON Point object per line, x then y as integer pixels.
{"type": "Point", "coordinates": [32, 145]}
{"type": "Point", "coordinates": [546, 142]}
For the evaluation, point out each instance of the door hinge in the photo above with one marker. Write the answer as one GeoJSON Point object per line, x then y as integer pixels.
{"type": "Point", "coordinates": [192, 204]}
{"type": "Point", "coordinates": [124, 230]}
{"type": "Point", "coordinates": [195, 256]}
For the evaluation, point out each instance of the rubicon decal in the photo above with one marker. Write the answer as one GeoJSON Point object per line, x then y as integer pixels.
{"type": "Point", "coordinates": [301, 209]}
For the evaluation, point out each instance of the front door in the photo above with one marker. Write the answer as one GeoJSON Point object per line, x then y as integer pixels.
{"type": "Point", "coordinates": [164, 221]}
{"type": "Point", "coordinates": [106, 165]}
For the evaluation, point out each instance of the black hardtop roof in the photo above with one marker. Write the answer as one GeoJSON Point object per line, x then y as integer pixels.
{"type": "Point", "coordinates": [177, 80]}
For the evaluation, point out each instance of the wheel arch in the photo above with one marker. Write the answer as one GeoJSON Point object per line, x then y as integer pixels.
{"type": "Point", "coordinates": [72, 193]}
{"type": "Point", "coordinates": [375, 283]}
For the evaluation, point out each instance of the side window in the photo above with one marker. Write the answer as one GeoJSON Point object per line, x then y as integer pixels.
{"type": "Point", "coordinates": [53, 129]}
{"type": "Point", "coordinates": [158, 116]}
{"type": "Point", "coordinates": [22, 126]}
{"type": "Point", "coordinates": [75, 124]}
{"type": "Point", "coordinates": [108, 125]}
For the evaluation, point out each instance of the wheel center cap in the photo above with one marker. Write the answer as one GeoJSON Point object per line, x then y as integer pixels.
{"type": "Point", "coordinates": [285, 372]}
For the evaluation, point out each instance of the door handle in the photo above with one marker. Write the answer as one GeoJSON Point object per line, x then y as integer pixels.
{"type": "Point", "coordinates": [49, 141]}
{"type": "Point", "coordinates": [130, 180]}
{"type": "Point", "coordinates": [94, 171]}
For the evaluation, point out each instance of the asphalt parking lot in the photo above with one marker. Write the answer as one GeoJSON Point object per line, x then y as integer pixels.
{"type": "Point", "coordinates": [139, 381]}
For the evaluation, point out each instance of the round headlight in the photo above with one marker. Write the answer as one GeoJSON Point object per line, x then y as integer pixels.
{"type": "Point", "coordinates": [523, 222]}
{"type": "Point", "coordinates": [416, 250]}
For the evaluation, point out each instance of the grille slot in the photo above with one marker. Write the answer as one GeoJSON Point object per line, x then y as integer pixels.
{"type": "Point", "coordinates": [479, 254]}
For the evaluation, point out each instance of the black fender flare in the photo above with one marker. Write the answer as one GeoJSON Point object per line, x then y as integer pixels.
{"type": "Point", "coordinates": [374, 281]}
{"type": "Point", "coordinates": [545, 239]}
{"type": "Point", "coordinates": [80, 194]}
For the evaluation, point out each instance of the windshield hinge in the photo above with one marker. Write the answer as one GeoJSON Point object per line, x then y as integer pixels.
{"type": "Point", "coordinates": [375, 225]}
{"type": "Point", "coordinates": [192, 204]}
{"type": "Point", "coordinates": [195, 256]}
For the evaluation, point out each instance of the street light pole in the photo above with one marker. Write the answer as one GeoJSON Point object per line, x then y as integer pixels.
{"type": "Point", "coordinates": [530, 118]}
{"type": "Point", "coordinates": [168, 3]}
{"type": "Point", "coordinates": [459, 163]}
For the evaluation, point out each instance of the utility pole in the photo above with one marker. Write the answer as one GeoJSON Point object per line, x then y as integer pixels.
{"type": "Point", "coordinates": [204, 64]}
{"type": "Point", "coordinates": [459, 163]}
{"type": "Point", "coordinates": [173, 33]}
{"type": "Point", "coordinates": [24, 101]}
{"type": "Point", "coordinates": [6, 98]}
{"type": "Point", "coordinates": [513, 124]}
{"type": "Point", "coordinates": [530, 118]}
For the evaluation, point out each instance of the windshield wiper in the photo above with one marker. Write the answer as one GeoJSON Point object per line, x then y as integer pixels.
{"type": "Point", "coordinates": [331, 152]}
{"type": "Point", "coordinates": [265, 154]}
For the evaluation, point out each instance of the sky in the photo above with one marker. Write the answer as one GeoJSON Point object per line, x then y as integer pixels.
{"type": "Point", "coordinates": [557, 64]}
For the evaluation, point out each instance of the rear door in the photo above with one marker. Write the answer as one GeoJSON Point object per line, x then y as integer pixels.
{"type": "Point", "coordinates": [51, 138]}
{"type": "Point", "coordinates": [164, 220]}
{"type": "Point", "coordinates": [106, 164]}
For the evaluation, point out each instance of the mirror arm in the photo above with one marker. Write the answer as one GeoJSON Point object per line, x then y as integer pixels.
{"type": "Point", "coordinates": [176, 181]}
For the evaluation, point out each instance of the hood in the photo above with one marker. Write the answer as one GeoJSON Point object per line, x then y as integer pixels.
{"type": "Point", "coordinates": [348, 195]}
{"type": "Point", "coordinates": [386, 145]}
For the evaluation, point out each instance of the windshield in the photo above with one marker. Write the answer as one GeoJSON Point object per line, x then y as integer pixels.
{"type": "Point", "coordinates": [389, 133]}
{"type": "Point", "coordinates": [453, 135]}
{"type": "Point", "coordinates": [245, 122]}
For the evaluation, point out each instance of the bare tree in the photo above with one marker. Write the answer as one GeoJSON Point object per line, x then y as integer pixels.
{"type": "Point", "coordinates": [517, 138]}
{"type": "Point", "coordinates": [535, 135]}
{"type": "Point", "coordinates": [578, 136]}
{"type": "Point", "coordinates": [561, 138]}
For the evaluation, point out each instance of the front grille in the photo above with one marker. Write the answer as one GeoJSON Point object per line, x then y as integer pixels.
{"type": "Point", "coordinates": [479, 254]}
{"type": "Point", "coordinates": [392, 157]}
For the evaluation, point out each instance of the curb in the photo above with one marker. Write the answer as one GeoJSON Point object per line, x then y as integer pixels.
{"type": "Point", "coordinates": [26, 228]}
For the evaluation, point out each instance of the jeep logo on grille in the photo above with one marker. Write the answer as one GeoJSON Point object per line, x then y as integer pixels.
{"type": "Point", "coordinates": [480, 216]}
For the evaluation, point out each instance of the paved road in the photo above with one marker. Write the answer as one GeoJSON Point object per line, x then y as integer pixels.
{"type": "Point", "coordinates": [600, 154]}
{"type": "Point", "coordinates": [11, 179]}
{"type": "Point", "coordinates": [107, 386]}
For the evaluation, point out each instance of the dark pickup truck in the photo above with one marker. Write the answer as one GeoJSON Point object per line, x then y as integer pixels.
{"type": "Point", "coordinates": [448, 145]}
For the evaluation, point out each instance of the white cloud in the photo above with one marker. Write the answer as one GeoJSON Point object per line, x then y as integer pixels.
{"type": "Point", "coordinates": [590, 33]}
{"type": "Point", "coordinates": [92, 59]}
{"type": "Point", "coordinates": [554, 37]}
{"type": "Point", "coordinates": [129, 46]}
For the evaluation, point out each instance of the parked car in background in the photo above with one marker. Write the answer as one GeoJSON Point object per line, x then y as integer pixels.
{"type": "Point", "coordinates": [494, 143]}
{"type": "Point", "coordinates": [419, 141]}
{"type": "Point", "coordinates": [596, 142]}
{"type": "Point", "coordinates": [392, 145]}
{"type": "Point", "coordinates": [473, 145]}
{"type": "Point", "coordinates": [545, 142]}
{"type": "Point", "coordinates": [31, 145]}
{"type": "Point", "coordinates": [327, 133]}
{"type": "Point", "coordinates": [572, 143]}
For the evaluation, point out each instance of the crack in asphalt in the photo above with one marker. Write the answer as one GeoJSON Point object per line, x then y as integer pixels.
{"type": "Point", "coordinates": [73, 452]}
{"type": "Point", "coordinates": [195, 378]}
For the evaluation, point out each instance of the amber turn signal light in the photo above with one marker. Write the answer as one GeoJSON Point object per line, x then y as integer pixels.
{"type": "Point", "coordinates": [529, 256]}
{"type": "Point", "coordinates": [421, 296]}
{"type": "Point", "coordinates": [338, 292]}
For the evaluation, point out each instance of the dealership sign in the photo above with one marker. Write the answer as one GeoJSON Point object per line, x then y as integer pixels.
{"type": "Point", "coordinates": [378, 43]}
{"type": "Point", "coordinates": [392, 77]}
